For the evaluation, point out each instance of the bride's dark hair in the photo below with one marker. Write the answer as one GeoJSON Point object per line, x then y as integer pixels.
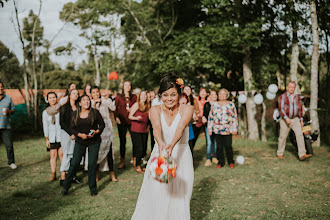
{"type": "Point", "coordinates": [167, 82]}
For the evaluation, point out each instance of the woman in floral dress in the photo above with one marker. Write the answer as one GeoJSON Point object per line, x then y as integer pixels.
{"type": "Point", "coordinates": [222, 122]}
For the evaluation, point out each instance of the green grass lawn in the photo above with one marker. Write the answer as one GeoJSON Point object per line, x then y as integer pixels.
{"type": "Point", "coordinates": [263, 188]}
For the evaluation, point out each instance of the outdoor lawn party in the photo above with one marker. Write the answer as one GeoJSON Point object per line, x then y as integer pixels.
{"type": "Point", "coordinates": [169, 110]}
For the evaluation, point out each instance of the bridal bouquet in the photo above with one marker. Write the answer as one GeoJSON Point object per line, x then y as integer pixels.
{"type": "Point", "coordinates": [163, 168]}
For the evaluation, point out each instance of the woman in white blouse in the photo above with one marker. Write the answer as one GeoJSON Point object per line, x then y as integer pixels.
{"type": "Point", "coordinates": [52, 131]}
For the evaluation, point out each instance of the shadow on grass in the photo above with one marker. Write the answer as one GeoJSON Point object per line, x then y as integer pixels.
{"type": "Point", "coordinates": [288, 148]}
{"type": "Point", "coordinates": [202, 194]}
{"type": "Point", "coordinates": [36, 202]}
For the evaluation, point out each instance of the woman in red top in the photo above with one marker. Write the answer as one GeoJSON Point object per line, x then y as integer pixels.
{"type": "Point", "coordinates": [139, 129]}
{"type": "Point", "coordinates": [123, 103]}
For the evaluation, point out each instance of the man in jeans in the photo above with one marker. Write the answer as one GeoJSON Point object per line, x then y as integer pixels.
{"type": "Point", "coordinates": [291, 111]}
{"type": "Point", "coordinates": [6, 109]}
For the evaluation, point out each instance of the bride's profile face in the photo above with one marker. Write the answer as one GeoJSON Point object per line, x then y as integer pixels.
{"type": "Point", "coordinates": [170, 97]}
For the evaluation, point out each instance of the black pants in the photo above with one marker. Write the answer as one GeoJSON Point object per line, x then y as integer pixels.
{"type": "Point", "coordinates": [139, 145]}
{"type": "Point", "coordinates": [192, 142]}
{"type": "Point", "coordinates": [78, 153]}
{"type": "Point", "coordinates": [122, 130]}
{"type": "Point", "coordinates": [110, 159]}
{"type": "Point", "coordinates": [224, 141]}
{"type": "Point", "coordinates": [8, 142]}
{"type": "Point", "coordinates": [152, 139]}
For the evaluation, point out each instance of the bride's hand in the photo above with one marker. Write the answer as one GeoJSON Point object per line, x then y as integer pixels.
{"type": "Point", "coordinates": [169, 149]}
{"type": "Point", "coordinates": [161, 146]}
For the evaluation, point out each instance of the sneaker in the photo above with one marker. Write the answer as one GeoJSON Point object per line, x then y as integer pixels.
{"type": "Point", "coordinates": [208, 163]}
{"type": "Point", "coordinates": [76, 180]}
{"type": "Point", "coordinates": [13, 166]}
{"type": "Point", "coordinates": [215, 160]}
{"type": "Point", "coordinates": [131, 161]}
{"type": "Point", "coordinates": [218, 166]}
{"type": "Point", "coordinates": [280, 156]}
{"type": "Point", "coordinates": [231, 165]}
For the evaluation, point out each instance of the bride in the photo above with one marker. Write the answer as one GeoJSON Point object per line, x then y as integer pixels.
{"type": "Point", "coordinates": [169, 121]}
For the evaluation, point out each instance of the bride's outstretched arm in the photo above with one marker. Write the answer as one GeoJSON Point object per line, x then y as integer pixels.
{"type": "Point", "coordinates": [188, 111]}
{"type": "Point", "coordinates": [154, 116]}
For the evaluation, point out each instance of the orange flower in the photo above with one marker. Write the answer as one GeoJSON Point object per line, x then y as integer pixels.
{"type": "Point", "coordinates": [173, 172]}
{"type": "Point", "coordinates": [159, 171]}
{"type": "Point", "coordinates": [161, 160]}
{"type": "Point", "coordinates": [179, 81]}
{"type": "Point", "coordinates": [169, 171]}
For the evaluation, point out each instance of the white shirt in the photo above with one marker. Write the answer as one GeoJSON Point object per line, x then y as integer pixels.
{"type": "Point", "coordinates": [52, 131]}
{"type": "Point", "coordinates": [156, 101]}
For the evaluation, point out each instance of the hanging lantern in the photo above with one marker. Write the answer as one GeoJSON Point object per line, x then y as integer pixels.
{"type": "Point", "coordinates": [273, 88]}
{"type": "Point", "coordinates": [113, 75]}
{"type": "Point", "coordinates": [270, 95]}
{"type": "Point", "coordinates": [242, 98]}
{"type": "Point", "coordinates": [258, 99]}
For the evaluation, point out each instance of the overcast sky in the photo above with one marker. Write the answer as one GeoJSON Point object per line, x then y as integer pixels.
{"type": "Point", "coordinates": [49, 20]}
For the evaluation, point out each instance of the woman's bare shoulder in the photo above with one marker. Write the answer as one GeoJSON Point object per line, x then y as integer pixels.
{"type": "Point", "coordinates": [154, 109]}
{"type": "Point", "coordinates": [186, 108]}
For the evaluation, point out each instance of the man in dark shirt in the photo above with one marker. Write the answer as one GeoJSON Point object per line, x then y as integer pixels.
{"type": "Point", "coordinates": [291, 111]}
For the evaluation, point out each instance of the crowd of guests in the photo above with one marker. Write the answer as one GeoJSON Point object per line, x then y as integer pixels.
{"type": "Point", "coordinates": [78, 128]}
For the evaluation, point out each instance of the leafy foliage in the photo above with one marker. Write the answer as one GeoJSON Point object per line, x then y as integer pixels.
{"type": "Point", "coordinates": [59, 79]}
{"type": "Point", "coordinates": [10, 71]}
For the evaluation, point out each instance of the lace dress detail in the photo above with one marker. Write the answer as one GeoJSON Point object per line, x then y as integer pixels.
{"type": "Point", "coordinates": [168, 201]}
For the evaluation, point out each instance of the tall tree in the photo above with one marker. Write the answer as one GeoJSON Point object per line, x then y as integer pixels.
{"type": "Point", "coordinates": [33, 33]}
{"type": "Point", "coordinates": [314, 70]}
{"type": "Point", "coordinates": [25, 73]}
{"type": "Point", "coordinates": [294, 46]}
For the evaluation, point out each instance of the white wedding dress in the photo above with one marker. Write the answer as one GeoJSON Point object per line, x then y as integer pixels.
{"type": "Point", "coordinates": [171, 201]}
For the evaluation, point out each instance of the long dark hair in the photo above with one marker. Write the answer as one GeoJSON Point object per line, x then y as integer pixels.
{"type": "Point", "coordinates": [47, 102]}
{"type": "Point", "coordinates": [199, 98]}
{"type": "Point", "coordinates": [190, 97]}
{"type": "Point", "coordinates": [130, 91]}
{"type": "Point", "coordinates": [67, 91]}
{"type": "Point", "coordinates": [91, 114]}
{"type": "Point", "coordinates": [67, 105]}
{"type": "Point", "coordinates": [167, 82]}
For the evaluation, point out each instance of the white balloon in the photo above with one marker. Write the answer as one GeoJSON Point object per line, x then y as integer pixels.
{"type": "Point", "coordinates": [240, 160]}
{"type": "Point", "coordinates": [273, 88]}
{"type": "Point", "coordinates": [270, 95]}
{"type": "Point", "coordinates": [258, 99]}
{"type": "Point", "coordinates": [242, 98]}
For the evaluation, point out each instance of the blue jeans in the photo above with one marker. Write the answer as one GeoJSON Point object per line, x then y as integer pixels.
{"type": "Point", "coordinates": [210, 140]}
{"type": "Point", "coordinates": [7, 141]}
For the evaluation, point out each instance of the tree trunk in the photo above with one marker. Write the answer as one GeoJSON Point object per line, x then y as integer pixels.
{"type": "Point", "coordinates": [34, 74]}
{"type": "Point", "coordinates": [294, 51]}
{"type": "Point", "coordinates": [242, 127]}
{"type": "Point", "coordinates": [253, 131]}
{"type": "Point", "coordinates": [97, 78]}
{"type": "Point", "coordinates": [314, 71]}
{"type": "Point", "coordinates": [263, 123]}
{"type": "Point", "coordinates": [25, 75]}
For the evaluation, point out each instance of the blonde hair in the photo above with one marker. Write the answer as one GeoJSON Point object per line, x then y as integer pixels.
{"type": "Point", "coordinates": [146, 106]}
{"type": "Point", "coordinates": [225, 91]}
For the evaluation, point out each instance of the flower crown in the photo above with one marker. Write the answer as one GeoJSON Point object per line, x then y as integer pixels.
{"type": "Point", "coordinates": [179, 81]}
